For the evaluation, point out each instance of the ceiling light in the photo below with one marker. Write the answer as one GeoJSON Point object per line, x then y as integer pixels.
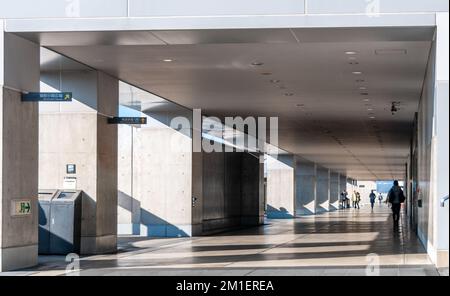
{"type": "Point", "coordinates": [363, 88]}
{"type": "Point", "coordinates": [366, 100]}
{"type": "Point", "coordinates": [372, 117]}
{"type": "Point", "coordinates": [275, 81]}
{"type": "Point", "coordinates": [365, 94]}
{"type": "Point", "coordinates": [350, 52]}
{"type": "Point", "coordinates": [167, 60]}
{"type": "Point", "coordinates": [360, 80]}
{"type": "Point", "coordinates": [257, 64]}
{"type": "Point", "coordinates": [357, 73]}
{"type": "Point", "coordinates": [266, 73]}
{"type": "Point", "coordinates": [370, 109]}
{"type": "Point", "coordinates": [300, 105]}
{"type": "Point", "coordinates": [289, 94]}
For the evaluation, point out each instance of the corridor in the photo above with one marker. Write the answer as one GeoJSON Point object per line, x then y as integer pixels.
{"type": "Point", "coordinates": [332, 244]}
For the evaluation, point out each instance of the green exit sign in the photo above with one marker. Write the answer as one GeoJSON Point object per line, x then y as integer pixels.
{"type": "Point", "coordinates": [21, 208]}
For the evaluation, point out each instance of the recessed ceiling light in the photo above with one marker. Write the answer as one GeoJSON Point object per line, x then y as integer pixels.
{"type": "Point", "coordinates": [364, 93]}
{"type": "Point", "coordinates": [300, 105]}
{"type": "Point", "coordinates": [167, 60]}
{"type": "Point", "coordinates": [360, 80]}
{"type": "Point", "coordinates": [366, 100]}
{"type": "Point", "coordinates": [372, 117]}
{"type": "Point", "coordinates": [275, 81]}
{"type": "Point", "coordinates": [357, 72]}
{"type": "Point", "coordinates": [370, 109]}
{"type": "Point", "coordinates": [266, 73]}
{"type": "Point", "coordinates": [350, 52]}
{"type": "Point", "coordinates": [257, 64]}
{"type": "Point", "coordinates": [289, 94]}
{"type": "Point", "coordinates": [363, 88]}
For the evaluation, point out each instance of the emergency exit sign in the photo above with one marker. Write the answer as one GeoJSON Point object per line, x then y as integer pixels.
{"type": "Point", "coordinates": [21, 208]}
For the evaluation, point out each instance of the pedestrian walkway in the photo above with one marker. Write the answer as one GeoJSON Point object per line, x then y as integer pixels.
{"type": "Point", "coordinates": [343, 243]}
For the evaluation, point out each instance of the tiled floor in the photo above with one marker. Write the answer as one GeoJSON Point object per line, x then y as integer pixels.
{"type": "Point", "coordinates": [342, 243]}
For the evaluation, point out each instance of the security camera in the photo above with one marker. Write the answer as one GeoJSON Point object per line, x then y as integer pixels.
{"type": "Point", "coordinates": [394, 108]}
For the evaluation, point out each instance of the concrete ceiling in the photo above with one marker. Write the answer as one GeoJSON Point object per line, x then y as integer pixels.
{"type": "Point", "coordinates": [306, 79]}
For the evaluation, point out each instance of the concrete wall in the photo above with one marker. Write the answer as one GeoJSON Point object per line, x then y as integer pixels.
{"type": "Point", "coordinates": [174, 192]}
{"type": "Point", "coordinates": [162, 179]}
{"type": "Point", "coordinates": [252, 190]}
{"type": "Point", "coordinates": [78, 133]}
{"type": "Point", "coordinates": [323, 190]}
{"type": "Point", "coordinates": [231, 191]}
{"type": "Point", "coordinates": [334, 191]}
{"type": "Point", "coordinates": [441, 141]}
{"type": "Point", "coordinates": [281, 187]}
{"type": "Point", "coordinates": [19, 68]}
{"type": "Point", "coordinates": [306, 185]}
{"type": "Point", "coordinates": [432, 163]}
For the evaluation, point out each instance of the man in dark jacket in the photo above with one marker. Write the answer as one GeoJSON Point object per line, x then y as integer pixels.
{"type": "Point", "coordinates": [396, 197]}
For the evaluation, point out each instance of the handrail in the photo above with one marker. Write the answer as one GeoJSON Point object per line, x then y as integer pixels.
{"type": "Point", "coordinates": [443, 200]}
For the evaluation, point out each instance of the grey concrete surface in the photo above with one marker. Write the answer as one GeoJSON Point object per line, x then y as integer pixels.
{"type": "Point", "coordinates": [19, 65]}
{"type": "Point", "coordinates": [281, 187]}
{"type": "Point", "coordinates": [323, 190]}
{"type": "Point", "coordinates": [332, 244]}
{"type": "Point", "coordinates": [306, 187]}
{"type": "Point", "coordinates": [79, 134]}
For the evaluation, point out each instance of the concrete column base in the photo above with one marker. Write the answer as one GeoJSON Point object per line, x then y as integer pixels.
{"type": "Point", "coordinates": [442, 259]}
{"type": "Point", "coordinates": [18, 258]}
{"type": "Point", "coordinates": [252, 220]}
{"type": "Point", "coordinates": [98, 245]}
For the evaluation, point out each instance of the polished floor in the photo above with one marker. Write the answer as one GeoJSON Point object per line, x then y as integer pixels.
{"type": "Point", "coordinates": [341, 243]}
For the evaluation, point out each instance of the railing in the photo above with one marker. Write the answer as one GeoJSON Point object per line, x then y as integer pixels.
{"type": "Point", "coordinates": [443, 200]}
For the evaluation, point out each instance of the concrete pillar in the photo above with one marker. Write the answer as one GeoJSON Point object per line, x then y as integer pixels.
{"type": "Point", "coordinates": [281, 187]}
{"type": "Point", "coordinates": [334, 191]}
{"type": "Point", "coordinates": [343, 184]}
{"type": "Point", "coordinates": [323, 190]}
{"type": "Point", "coordinates": [252, 211]}
{"type": "Point", "coordinates": [19, 72]}
{"type": "Point", "coordinates": [306, 185]}
{"type": "Point", "coordinates": [78, 133]}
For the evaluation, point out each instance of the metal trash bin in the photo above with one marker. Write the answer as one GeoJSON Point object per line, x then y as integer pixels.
{"type": "Point", "coordinates": [63, 223]}
{"type": "Point", "coordinates": [45, 199]}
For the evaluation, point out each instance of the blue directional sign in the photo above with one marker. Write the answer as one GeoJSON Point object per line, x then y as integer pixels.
{"type": "Point", "coordinates": [127, 120]}
{"type": "Point", "coordinates": [47, 97]}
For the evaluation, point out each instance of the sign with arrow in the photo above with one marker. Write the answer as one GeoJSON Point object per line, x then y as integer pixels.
{"type": "Point", "coordinates": [127, 120]}
{"type": "Point", "coordinates": [21, 208]}
{"type": "Point", "coordinates": [47, 97]}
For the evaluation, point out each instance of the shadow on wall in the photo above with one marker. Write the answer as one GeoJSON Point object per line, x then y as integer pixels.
{"type": "Point", "coordinates": [145, 223]}
{"type": "Point", "coordinates": [281, 213]}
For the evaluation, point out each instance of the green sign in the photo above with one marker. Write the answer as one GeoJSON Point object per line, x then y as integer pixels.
{"type": "Point", "coordinates": [47, 97]}
{"type": "Point", "coordinates": [21, 208]}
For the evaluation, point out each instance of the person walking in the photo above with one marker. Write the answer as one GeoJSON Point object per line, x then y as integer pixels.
{"type": "Point", "coordinates": [396, 197]}
{"type": "Point", "coordinates": [354, 198]}
{"type": "Point", "coordinates": [343, 200]}
{"type": "Point", "coordinates": [358, 200]}
{"type": "Point", "coordinates": [380, 198]}
{"type": "Point", "coordinates": [373, 198]}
